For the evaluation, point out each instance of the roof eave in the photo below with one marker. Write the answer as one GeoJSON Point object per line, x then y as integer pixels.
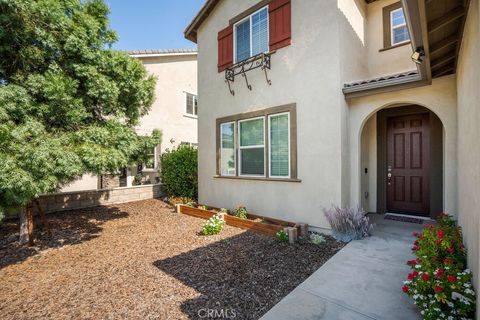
{"type": "Point", "coordinates": [151, 55]}
{"type": "Point", "coordinates": [384, 86]}
{"type": "Point", "coordinates": [191, 31]}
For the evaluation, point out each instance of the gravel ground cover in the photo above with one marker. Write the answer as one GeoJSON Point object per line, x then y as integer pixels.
{"type": "Point", "coordinates": [141, 260]}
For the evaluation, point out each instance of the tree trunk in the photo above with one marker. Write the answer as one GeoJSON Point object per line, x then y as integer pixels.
{"type": "Point", "coordinates": [30, 224]}
{"type": "Point", "coordinates": [46, 226]}
{"type": "Point", "coordinates": [23, 226]}
{"type": "Point", "coordinates": [26, 225]}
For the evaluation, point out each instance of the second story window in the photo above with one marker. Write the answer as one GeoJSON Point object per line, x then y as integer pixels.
{"type": "Point", "coordinates": [399, 30]}
{"type": "Point", "coordinates": [251, 35]}
{"type": "Point", "coordinates": [191, 104]}
{"type": "Point", "coordinates": [264, 27]}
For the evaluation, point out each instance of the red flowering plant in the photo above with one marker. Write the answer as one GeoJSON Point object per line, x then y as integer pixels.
{"type": "Point", "coordinates": [439, 283]}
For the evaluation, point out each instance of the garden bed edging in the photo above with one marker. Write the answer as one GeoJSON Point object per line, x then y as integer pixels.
{"type": "Point", "coordinates": [269, 229]}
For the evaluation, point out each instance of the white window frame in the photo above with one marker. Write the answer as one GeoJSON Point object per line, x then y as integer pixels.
{"type": "Point", "coordinates": [155, 162]}
{"type": "Point", "coordinates": [392, 27]}
{"type": "Point", "coordinates": [195, 98]}
{"type": "Point", "coordinates": [251, 30]}
{"type": "Point", "coordinates": [234, 149]}
{"type": "Point", "coordinates": [270, 146]}
{"type": "Point", "coordinates": [240, 148]}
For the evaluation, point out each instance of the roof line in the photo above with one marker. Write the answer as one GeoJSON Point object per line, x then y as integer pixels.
{"type": "Point", "coordinates": [191, 30]}
{"type": "Point", "coordinates": [384, 84]}
{"type": "Point", "coordinates": [162, 52]}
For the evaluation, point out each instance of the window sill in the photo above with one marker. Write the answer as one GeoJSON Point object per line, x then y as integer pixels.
{"type": "Point", "coordinates": [258, 178]}
{"type": "Point", "coordinates": [186, 115]}
{"type": "Point", "coordinates": [395, 46]}
{"type": "Point", "coordinates": [150, 170]}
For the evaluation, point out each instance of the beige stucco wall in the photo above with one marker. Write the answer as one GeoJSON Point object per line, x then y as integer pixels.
{"type": "Point", "coordinates": [368, 180]}
{"type": "Point", "coordinates": [468, 82]}
{"type": "Point", "coordinates": [440, 98]}
{"type": "Point", "coordinates": [306, 73]}
{"type": "Point", "coordinates": [176, 75]}
{"type": "Point", "coordinates": [325, 53]}
{"type": "Point", "coordinates": [384, 62]}
{"type": "Point", "coordinates": [86, 182]}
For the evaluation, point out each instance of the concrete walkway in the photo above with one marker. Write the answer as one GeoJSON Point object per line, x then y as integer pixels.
{"type": "Point", "coordinates": [362, 281]}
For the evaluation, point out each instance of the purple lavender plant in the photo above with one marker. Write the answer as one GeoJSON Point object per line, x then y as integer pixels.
{"type": "Point", "coordinates": [348, 223]}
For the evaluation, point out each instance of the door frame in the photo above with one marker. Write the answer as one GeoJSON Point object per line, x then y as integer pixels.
{"type": "Point", "coordinates": [436, 156]}
{"type": "Point", "coordinates": [424, 207]}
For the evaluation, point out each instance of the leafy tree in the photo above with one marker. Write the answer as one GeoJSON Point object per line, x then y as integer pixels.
{"type": "Point", "coordinates": [179, 172]}
{"type": "Point", "coordinates": [68, 103]}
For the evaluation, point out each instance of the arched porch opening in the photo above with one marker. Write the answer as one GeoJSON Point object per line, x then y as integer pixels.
{"type": "Point", "coordinates": [402, 161]}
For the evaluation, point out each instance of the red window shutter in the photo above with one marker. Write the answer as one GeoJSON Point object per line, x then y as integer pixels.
{"type": "Point", "coordinates": [280, 13]}
{"type": "Point", "coordinates": [225, 48]}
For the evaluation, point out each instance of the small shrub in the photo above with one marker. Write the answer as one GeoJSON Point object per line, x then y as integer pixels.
{"type": "Point", "coordinates": [317, 239]}
{"type": "Point", "coordinates": [241, 212]}
{"type": "Point", "coordinates": [213, 225]}
{"type": "Point", "coordinates": [179, 174]}
{"type": "Point", "coordinates": [137, 180]}
{"type": "Point", "coordinates": [348, 223]}
{"type": "Point", "coordinates": [439, 283]}
{"type": "Point", "coordinates": [259, 220]}
{"type": "Point", "coordinates": [204, 207]}
{"type": "Point", "coordinates": [282, 236]}
{"type": "Point", "coordinates": [223, 210]}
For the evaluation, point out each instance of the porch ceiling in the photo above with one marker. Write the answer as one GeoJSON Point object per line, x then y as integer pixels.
{"type": "Point", "coordinates": [445, 21]}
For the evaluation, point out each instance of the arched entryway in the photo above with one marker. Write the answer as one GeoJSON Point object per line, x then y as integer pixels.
{"type": "Point", "coordinates": [402, 161]}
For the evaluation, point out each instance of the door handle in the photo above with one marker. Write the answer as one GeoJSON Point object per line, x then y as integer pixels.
{"type": "Point", "coordinates": [389, 178]}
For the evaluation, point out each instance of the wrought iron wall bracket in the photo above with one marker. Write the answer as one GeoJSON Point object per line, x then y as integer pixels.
{"type": "Point", "coordinates": [261, 60]}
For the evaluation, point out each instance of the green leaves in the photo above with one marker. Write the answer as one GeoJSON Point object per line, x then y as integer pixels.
{"type": "Point", "coordinates": [179, 172]}
{"type": "Point", "coordinates": [67, 104]}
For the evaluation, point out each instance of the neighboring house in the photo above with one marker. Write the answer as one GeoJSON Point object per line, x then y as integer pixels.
{"type": "Point", "coordinates": [174, 112]}
{"type": "Point", "coordinates": [305, 104]}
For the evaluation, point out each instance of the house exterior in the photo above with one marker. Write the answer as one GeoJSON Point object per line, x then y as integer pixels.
{"type": "Point", "coordinates": [174, 112]}
{"type": "Point", "coordinates": [304, 104]}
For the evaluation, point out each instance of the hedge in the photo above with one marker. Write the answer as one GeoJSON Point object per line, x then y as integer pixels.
{"type": "Point", "coordinates": [179, 172]}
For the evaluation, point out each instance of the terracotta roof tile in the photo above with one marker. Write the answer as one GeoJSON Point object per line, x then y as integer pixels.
{"type": "Point", "coordinates": [161, 51]}
{"type": "Point", "coordinates": [382, 78]}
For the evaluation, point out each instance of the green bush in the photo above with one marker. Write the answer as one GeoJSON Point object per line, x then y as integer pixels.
{"type": "Point", "coordinates": [214, 225]}
{"type": "Point", "coordinates": [282, 236]}
{"type": "Point", "coordinates": [179, 172]}
{"type": "Point", "coordinates": [241, 212]}
{"type": "Point", "coordinates": [439, 283]}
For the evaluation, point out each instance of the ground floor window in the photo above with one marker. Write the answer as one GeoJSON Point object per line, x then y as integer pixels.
{"type": "Point", "coordinates": [258, 144]}
{"type": "Point", "coordinates": [227, 149]}
{"type": "Point", "coordinates": [279, 147]}
{"type": "Point", "coordinates": [252, 147]}
{"type": "Point", "coordinates": [150, 160]}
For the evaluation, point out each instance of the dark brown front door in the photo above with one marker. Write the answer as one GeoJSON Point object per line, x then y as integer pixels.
{"type": "Point", "coordinates": [408, 151]}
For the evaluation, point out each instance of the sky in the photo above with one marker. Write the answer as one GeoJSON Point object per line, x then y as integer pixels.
{"type": "Point", "coordinates": [152, 24]}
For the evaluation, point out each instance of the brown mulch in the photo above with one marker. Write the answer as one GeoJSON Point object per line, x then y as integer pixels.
{"type": "Point", "coordinates": [141, 260]}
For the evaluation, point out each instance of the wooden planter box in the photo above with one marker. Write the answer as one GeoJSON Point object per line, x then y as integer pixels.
{"type": "Point", "coordinates": [269, 229]}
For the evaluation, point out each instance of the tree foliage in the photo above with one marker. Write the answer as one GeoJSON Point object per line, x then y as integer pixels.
{"type": "Point", "coordinates": [68, 103]}
{"type": "Point", "coordinates": [179, 172]}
